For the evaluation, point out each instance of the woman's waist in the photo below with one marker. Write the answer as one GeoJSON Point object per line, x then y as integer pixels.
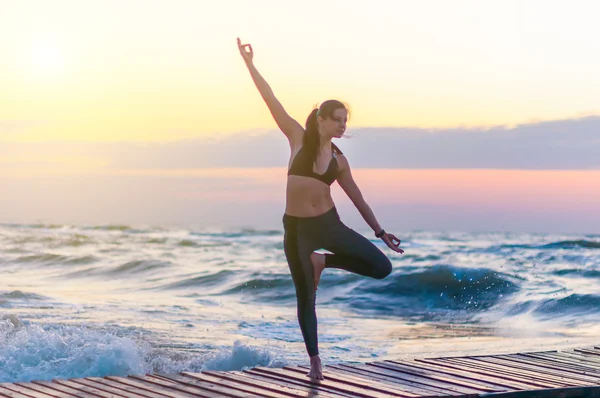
{"type": "Point", "coordinates": [308, 206]}
{"type": "Point", "coordinates": [323, 217]}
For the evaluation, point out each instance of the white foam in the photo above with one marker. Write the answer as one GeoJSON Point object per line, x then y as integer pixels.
{"type": "Point", "coordinates": [34, 352]}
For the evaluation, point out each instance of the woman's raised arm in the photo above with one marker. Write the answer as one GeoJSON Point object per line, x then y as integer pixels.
{"type": "Point", "coordinates": [290, 127]}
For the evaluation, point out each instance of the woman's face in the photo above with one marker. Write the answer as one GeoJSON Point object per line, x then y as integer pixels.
{"type": "Point", "coordinates": [335, 125]}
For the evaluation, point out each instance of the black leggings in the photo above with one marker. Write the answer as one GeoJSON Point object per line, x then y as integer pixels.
{"type": "Point", "coordinates": [351, 252]}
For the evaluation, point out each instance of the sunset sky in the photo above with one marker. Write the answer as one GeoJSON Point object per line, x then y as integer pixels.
{"type": "Point", "coordinates": [96, 93]}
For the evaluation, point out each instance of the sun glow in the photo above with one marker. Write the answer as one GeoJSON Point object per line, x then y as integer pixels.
{"type": "Point", "coordinates": [45, 60]}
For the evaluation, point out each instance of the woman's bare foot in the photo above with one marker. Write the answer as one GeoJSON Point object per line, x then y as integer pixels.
{"type": "Point", "coordinates": [318, 262]}
{"type": "Point", "coordinates": [316, 371]}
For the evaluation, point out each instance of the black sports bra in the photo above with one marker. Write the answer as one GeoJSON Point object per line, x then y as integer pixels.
{"type": "Point", "coordinates": [301, 168]}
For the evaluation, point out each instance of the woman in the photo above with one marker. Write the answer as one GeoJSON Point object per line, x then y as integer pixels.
{"type": "Point", "coordinates": [311, 221]}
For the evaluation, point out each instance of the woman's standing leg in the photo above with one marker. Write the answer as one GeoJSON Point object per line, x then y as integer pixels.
{"type": "Point", "coordinates": [298, 249]}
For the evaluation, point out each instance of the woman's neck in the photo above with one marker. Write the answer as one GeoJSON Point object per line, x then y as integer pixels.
{"type": "Point", "coordinates": [325, 144]}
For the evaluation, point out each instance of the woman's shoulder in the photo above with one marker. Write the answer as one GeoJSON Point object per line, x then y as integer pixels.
{"type": "Point", "coordinates": [336, 150]}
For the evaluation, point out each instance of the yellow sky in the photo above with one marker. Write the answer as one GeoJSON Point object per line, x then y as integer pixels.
{"type": "Point", "coordinates": [157, 70]}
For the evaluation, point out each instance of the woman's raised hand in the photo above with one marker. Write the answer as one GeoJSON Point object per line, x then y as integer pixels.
{"type": "Point", "coordinates": [247, 55]}
{"type": "Point", "coordinates": [392, 242]}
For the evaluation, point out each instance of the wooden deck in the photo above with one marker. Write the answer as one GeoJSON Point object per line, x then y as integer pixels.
{"type": "Point", "coordinates": [572, 373]}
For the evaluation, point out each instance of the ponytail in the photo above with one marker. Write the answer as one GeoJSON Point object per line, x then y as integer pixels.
{"type": "Point", "coordinates": [311, 139]}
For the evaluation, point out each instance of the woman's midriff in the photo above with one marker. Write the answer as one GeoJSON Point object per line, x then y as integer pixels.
{"type": "Point", "coordinates": [307, 197]}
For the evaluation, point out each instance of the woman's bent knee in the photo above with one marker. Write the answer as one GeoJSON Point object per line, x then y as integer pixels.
{"type": "Point", "coordinates": [383, 269]}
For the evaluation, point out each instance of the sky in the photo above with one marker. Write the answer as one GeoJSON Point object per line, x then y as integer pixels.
{"type": "Point", "coordinates": [100, 96]}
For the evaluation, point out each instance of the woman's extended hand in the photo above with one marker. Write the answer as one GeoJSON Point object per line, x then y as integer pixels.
{"type": "Point", "coordinates": [392, 242]}
{"type": "Point", "coordinates": [247, 55]}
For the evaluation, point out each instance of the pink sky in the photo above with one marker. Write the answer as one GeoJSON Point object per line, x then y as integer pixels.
{"type": "Point", "coordinates": [506, 200]}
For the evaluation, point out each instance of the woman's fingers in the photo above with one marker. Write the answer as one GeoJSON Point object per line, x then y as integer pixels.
{"type": "Point", "coordinates": [395, 241]}
{"type": "Point", "coordinates": [243, 47]}
{"type": "Point", "coordinates": [391, 240]}
{"type": "Point", "coordinates": [393, 237]}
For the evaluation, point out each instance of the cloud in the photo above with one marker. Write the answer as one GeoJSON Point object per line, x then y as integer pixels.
{"type": "Point", "coordinates": [561, 144]}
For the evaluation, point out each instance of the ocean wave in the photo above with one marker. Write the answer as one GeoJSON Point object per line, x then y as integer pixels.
{"type": "Point", "coordinates": [574, 304]}
{"type": "Point", "coordinates": [272, 289]}
{"type": "Point", "coordinates": [200, 281]}
{"type": "Point", "coordinates": [243, 233]}
{"type": "Point", "coordinates": [564, 244]}
{"type": "Point", "coordinates": [115, 227]}
{"type": "Point", "coordinates": [439, 289]}
{"type": "Point", "coordinates": [36, 352]}
{"type": "Point", "coordinates": [56, 259]}
{"type": "Point", "coordinates": [140, 266]}
{"type": "Point", "coordinates": [578, 272]}
{"type": "Point", "coordinates": [409, 291]}
{"type": "Point", "coordinates": [19, 295]}
{"type": "Point", "coordinates": [191, 243]}
{"type": "Point", "coordinates": [36, 226]}
{"type": "Point", "coordinates": [76, 240]}
{"type": "Point", "coordinates": [573, 244]}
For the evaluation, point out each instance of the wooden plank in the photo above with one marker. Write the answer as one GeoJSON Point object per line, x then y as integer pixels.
{"type": "Point", "coordinates": [457, 369]}
{"type": "Point", "coordinates": [242, 388]}
{"type": "Point", "coordinates": [351, 387]}
{"type": "Point", "coordinates": [576, 371]}
{"type": "Point", "coordinates": [312, 387]}
{"type": "Point", "coordinates": [438, 381]}
{"type": "Point", "coordinates": [473, 385]}
{"type": "Point", "coordinates": [566, 361]}
{"type": "Point", "coordinates": [565, 392]}
{"type": "Point", "coordinates": [87, 390]}
{"type": "Point", "coordinates": [588, 352]}
{"type": "Point", "coordinates": [589, 359]}
{"type": "Point", "coordinates": [407, 387]}
{"type": "Point", "coordinates": [571, 358]}
{"type": "Point", "coordinates": [423, 382]}
{"type": "Point", "coordinates": [208, 391]}
{"type": "Point", "coordinates": [580, 354]}
{"type": "Point", "coordinates": [5, 392]}
{"type": "Point", "coordinates": [522, 370]}
{"type": "Point", "coordinates": [492, 382]}
{"type": "Point", "coordinates": [363, 381]}
{"type": "Point", "coordinates": [590, 355]}
{"type": "Point", "coordinates": [310, 390]}
{"type": "Point", "coordinates": [566, 377]}
{"type": "Point", "coordinates": [478, 370]}
{"type": "Point", "coordinates": [574, 354]}
{"type": "Point", "coordinates": [504, 371]}
{"type": "Point", "coordinates": [103, 383]}
{"type": "Point", "coordinates": [373, 385]}
{"type": "Point", "coordinates": [239, 377]}
{"type": "Point", "coordinates": [45, 390]}
{"type": "Point", "coordinates": [332, 384]}
{"type": "Point", "coordinates": [142, 386]}
{"type": "Point", "coordinates": [112, 390]}
{"type": "Point", "coordinates": [23, 391]}
{"type": "Point", "coordinates": [564, 366]}
{"type": "Point", "coordinates": [59, 389]}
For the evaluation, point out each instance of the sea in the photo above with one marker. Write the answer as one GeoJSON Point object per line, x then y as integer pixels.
{"type": "Point", "coordinates": [99, 300]}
